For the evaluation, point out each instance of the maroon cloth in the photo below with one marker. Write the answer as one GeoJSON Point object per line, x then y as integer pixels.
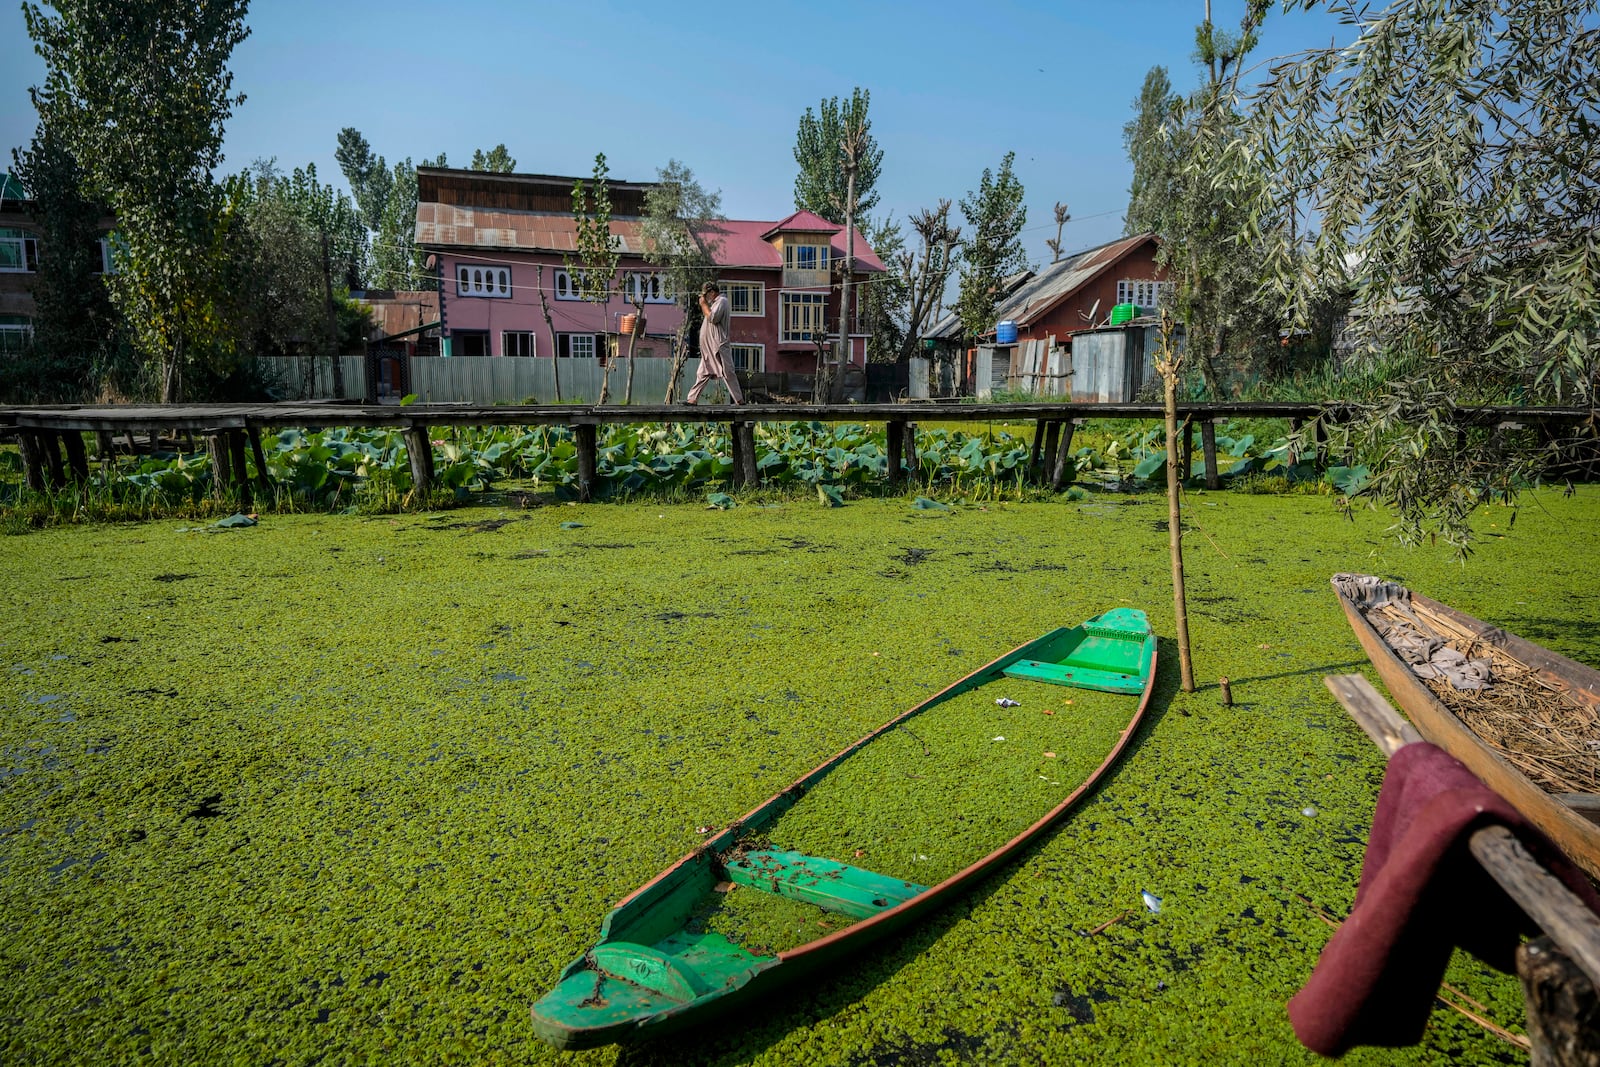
{"type": "Point", "coordinates": [1421, 895]}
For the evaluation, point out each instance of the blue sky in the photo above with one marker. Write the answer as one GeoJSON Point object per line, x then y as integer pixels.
{"type": "Point", "coordinates": [954, 87]}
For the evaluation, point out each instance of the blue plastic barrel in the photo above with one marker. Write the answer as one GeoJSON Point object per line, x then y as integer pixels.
{"type": "Point", "coordinates": [1005, 333]}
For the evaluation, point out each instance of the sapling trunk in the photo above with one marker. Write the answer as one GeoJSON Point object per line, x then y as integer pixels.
{"type": "Point", "coordinates": [1168, 364]}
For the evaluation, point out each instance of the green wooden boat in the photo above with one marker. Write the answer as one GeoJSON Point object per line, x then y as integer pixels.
{"type": "Point", "coordinates": [652, 971]}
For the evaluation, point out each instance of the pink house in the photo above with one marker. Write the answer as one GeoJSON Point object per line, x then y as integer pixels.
{"type": "Point", "coordinates": [497, 239]}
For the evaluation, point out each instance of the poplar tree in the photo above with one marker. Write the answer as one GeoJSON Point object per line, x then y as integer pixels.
{"type": "Point", "coordinates": [821, 185]}
{"type": "Point", "coordinates": [996, 215]}
{"type": "Point", "coordinates": [139, 91]}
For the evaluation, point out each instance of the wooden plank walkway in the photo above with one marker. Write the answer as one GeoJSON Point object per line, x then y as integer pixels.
{"type": "Point", "coordinates": [44, 432]}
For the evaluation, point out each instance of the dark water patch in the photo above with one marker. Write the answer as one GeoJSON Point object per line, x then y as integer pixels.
{"type": "Point", "coordinates": [208, 808]}
{"type": "Point", "coordinates": [913, 556]}
{"type": "Point", "coordinates": [604, 544]}
{"type": "Point", "coordinates": [675, 616]}
{"type": "Point", "coordinates": [1080, 1005]}
{"type": "Point", "coordinates": [530, 553]}
{"type": "Point", "coordinates": [955, 1044]}
{"type": "Point", "coordinates": [508, 676]}
{"type": "Point", "coordinates": [173, 577]}
{"type": "Point", "coordinates": [481, 526]}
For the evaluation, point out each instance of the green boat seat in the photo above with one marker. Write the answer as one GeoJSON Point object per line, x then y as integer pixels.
{"type": "Point", "coordinates": [1110, 653]}
{"type": "Point", "coordinates": [830, 885]}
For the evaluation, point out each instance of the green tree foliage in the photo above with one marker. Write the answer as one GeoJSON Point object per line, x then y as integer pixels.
{"type": "Point", "coordinates": [595, 271]}
{"type": "Point", "coordinates": [1186, 192]}
{"type": "Point", "coordinates": [882, 297]}
{"type": "Point", "coordinates": [1150, 139]}
{"type": "Point", "coordinates": [1450, 156]}
{"type": "Point", "coordinates": [996, 214]}
{"type": "Point", "coordinates": [138, 91]}
{"type": "Point", "coordinates": [682, 238]}
{"type": "Point", "coordinates": [368, 175]}
{"type": "Point", "coordinates": [78, 342]}
{"type": "Point", "coordinates": [397, 262]}
{"type": "Point", "coordinates": [497, 160]}
{"type": "Point", "coordinates": [288, 221]}
{"type": "Point", "coordinates": [820, 184]}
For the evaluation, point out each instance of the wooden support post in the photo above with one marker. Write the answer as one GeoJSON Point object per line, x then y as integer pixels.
{"type": "Point", "coordinates": [263, 479]}
{"type": "Point", "coordinates": [736, 447]}
{"type": "Point", "coordinates": [77, 456]}
{"type": "Point", "coordinates": [1184, 461]}
{"type": "Point", "coordinates": [1065, 469]}
{"type": "Point", "coordinates": [221, 462]}
{"type": "Point", "coordinates": [105, 447]}
{"type": "Point", "coordinates": [32, 450]}
{"type": "Point", "coordinates": [133, 448]}
{"type": "Point", "coordinates": [57, 470]}
{"type": "Point", "coordinates": [1319, 434]}
{"type": "Point", "coordinates": [588, 453]}
{"type": "Point", "coordinates": [1208, 446]}
{"type": "Point", "coordinates": [908, 449]}
{"type": "Point", "coordinates": [1562, 1006]}
{"type": "Point", "coordinates": [419, 448]}
{"type": "Point", "coordinates": [1037, 449]}
{"type": "Point", "coordinates": [1045, 469]}
{"type": "Point", "coordinates": [752, 473]}
{"type": "Point", "coordinates": [894, 435]}
{"type": "Point", "coordinates": [241, 475]}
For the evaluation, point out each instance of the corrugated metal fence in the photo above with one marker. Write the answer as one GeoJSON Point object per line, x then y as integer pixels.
{"type": "Point", "coordinates": [493, 379]}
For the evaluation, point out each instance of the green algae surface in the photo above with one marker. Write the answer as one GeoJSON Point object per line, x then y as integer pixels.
{"type": "Point", "coordinates": [333, 789]}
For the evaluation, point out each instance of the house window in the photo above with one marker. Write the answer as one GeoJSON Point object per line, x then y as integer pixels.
{"type": "Point", "coordinates": [803, 316]}
{"type": "Point", "coordinates": [749, 358]}
{"type": "Point", "coordinates": [647, 288]}
{"type": "Point", "coordinates": [16, 331]}
{"type": "Point", "coordinates": [1145, 293]}
{"type": "Point", "coordinates": [19, 251]}
{"type": "Point", "coordinates": [476, 280]}
{"type": "Point", "coordinates": [517, 343]}
{"type": "Point", "coordinates": [805, 257]}
{"type": "Point", "coordinates": [569, 285]}
{"type": "Point", "coordinates": [575, 345]}
{"type": "Point", "coordinates": [102, 256]}
{"type": "Point", "coordinates": [471, 342]}
{"type": "Point", "coordinates": [746, 298]}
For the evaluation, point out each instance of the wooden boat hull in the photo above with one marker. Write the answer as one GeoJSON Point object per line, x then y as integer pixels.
{"type": "Point", "coordinates": [1570, 831]}
{"type": "Point", "coordinates": [624, 989]}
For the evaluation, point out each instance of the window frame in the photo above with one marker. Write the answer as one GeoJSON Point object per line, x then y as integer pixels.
{"type": "Point", "coordinates": [22, 330]}
{"type": "Point", "coordinates": [792, 259]}
{"type": "Point", "coordinates": [654, 285]}
{"type": "Point", "coordinates": [1130, 291]}
{"type": "Point", "coordinates": [565, 341]}
{"type": "Point", "coordinates": [458, 339]}
{"type": "Point", "coordinates": [571, 281]}
{"type": "Point", "coordinates": [757, 288]}
{"type": "Point", "coordinates": [760, 360]}
{"type": "Point", "coordinates": [27, 246]}
{"type": "Point", "coordinates": [529, 336]}
{"type": "Point", "coordinates": [483, 281]}
{"type": "Point", "coordinates": [805, 298]}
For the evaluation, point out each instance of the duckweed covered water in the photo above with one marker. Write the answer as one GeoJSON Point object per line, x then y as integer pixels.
{"type": "Point", "coordinates": [333, 789]}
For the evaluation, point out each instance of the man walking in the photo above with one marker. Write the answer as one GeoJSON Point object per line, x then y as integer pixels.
{"type": "Point", "coordinates": [716, 359]}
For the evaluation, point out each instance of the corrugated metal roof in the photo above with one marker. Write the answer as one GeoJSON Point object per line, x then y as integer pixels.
{"type": "Point", "coordinates": [1052, 284]}
{"type": "Point", "coordinates": [443, 226]}
{"type": "Point", "coordinates": [743, 244]}
{"type": "Point", "coordinates": [803, 222]}
{"type": "Point", "coordinates": [451, 226]}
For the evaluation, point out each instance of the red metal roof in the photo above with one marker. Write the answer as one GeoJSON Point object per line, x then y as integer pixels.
{"type": "Point", "coordinates": [744, 244]}
{"type": "Point", "coordinates": [802, 222]}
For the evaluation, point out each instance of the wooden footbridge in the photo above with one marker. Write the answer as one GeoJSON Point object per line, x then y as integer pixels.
{"type": "Point", "coordinates": [53, 449]}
